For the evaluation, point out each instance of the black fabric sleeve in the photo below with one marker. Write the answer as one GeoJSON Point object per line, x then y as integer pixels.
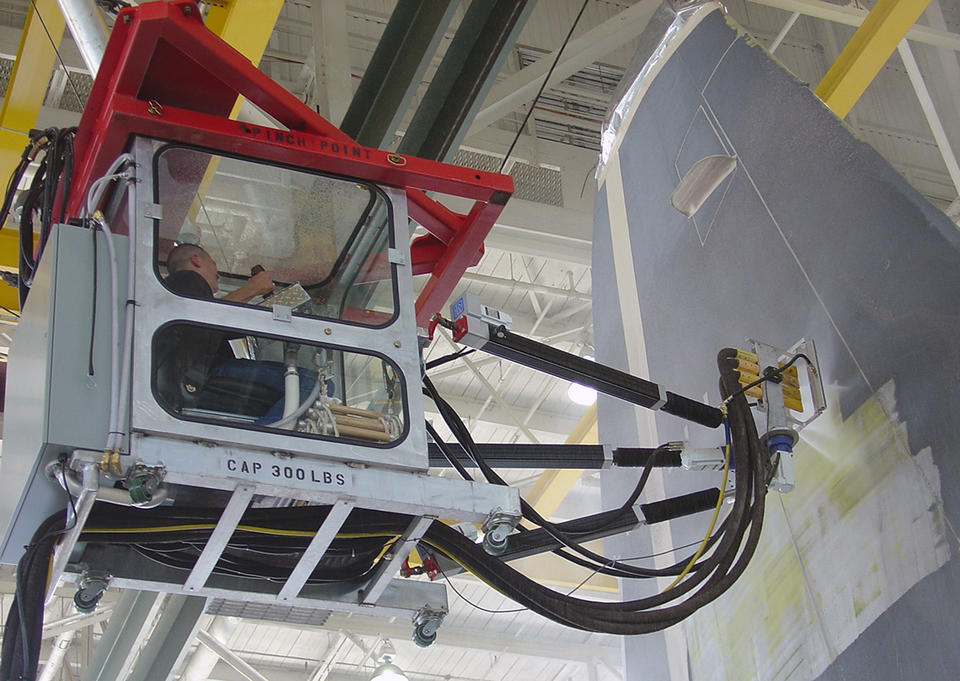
{"type": "Point", "coordinates": [189, 284]}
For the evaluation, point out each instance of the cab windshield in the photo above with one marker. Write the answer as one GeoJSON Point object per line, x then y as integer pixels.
{"type": "Point", "coordinates": [324, 239]}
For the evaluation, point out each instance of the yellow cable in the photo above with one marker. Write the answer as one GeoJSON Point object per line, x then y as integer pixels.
{"type": "Point", "coordinates": [713, 520]}
{"type": "Point", "coordinates": [246, 528]}
{"type": "Point", "coordinates": [273, 531]}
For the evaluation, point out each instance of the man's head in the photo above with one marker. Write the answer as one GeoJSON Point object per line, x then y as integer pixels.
{"type": "Point", "coordinates": [192, 257]}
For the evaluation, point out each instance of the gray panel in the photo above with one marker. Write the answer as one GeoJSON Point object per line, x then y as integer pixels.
{"type": "Point", "coordinates": [81, 401]}
{"type": "Point", "coordinates": [24, 424]}
{"type": "Point", "coordinates": [852, 256]}
{"type": "Point", "coordinates": [41, 355]}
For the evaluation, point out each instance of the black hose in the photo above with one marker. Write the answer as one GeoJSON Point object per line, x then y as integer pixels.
{"type": "Point", "coordinates": [261, 554]}
{"type": "Point", "coordinates": [20, 651]}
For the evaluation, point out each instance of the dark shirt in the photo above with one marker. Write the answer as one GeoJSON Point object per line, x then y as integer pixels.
{"type": "Point", "coordinates": [186, 353]}
{"type": "Point", "coordinates": [189, 284]}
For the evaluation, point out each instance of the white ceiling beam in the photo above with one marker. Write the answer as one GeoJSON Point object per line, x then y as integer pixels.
{"type": "Point", "coordinates": [448, 636]}
{"type": "Point", "coordinates": [543, 421]}
{"type": "Point", "coordinates": [477, 639]}
{"type": "Point", "coordinates": [852, 16]}
{"type": "Point", "coordinates": [930, 112]}
{"type": "Point", "coordinates": [497, 397]}
{"type": "Point", "coordinates": [230, 657]}
{"type": "Point", "coordinates": [948, 58]}
{"type": "Point", "coordinates": [333, 86]}
{"type": "Point", "coordinates": [204, 658]}
{"type": "Point", "coordinates": [526, 286]}
{"type": "Point", "coordinates": [541, 398]}
{"type": "Point", "coordinates": [74, 622]}
{"type": "Point", "coordinates": [783, 32]}
{"type": "Point", "coordinates": [510, 235]}
{"type": "Point", "coordinates": [599, 41]}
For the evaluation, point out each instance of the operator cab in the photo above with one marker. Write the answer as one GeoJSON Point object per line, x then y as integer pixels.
{"type": "Point", "coordinates": [327, 243]}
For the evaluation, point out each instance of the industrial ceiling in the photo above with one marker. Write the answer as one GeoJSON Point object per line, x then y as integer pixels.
{"type": "Point", "coordinates": [455, 80]}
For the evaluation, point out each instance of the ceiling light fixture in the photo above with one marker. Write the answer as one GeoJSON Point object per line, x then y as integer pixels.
{"type": "Point", "coordinates": [581, 394]}
{"type": "Point", "coordinates": [388, 672]}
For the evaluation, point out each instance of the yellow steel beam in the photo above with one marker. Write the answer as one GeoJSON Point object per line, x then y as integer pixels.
{"type": "Point", "coordinates": [246, 25]}
{"type": "Point", "coordinates": [549, 569]}
{"type": "Point", "coordinates": [552, 486]}
{"type": "Point", "coordinates": [546, 494]}
{"type": "Point", "coordinates": [867, 52]}
{"type": "Point", "coordinates": [28, 80]}
{"type": "Point", "coordinates": [21, 106]}
{"type": "Point", "coordinates": [9, 248]}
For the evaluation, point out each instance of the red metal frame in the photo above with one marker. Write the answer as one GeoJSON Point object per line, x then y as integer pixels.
{"type": "Point", "coordinates": [164, 75]}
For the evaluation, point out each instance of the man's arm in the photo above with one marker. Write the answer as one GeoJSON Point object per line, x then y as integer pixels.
{"type": "Point", "coordinates": [259, 284]}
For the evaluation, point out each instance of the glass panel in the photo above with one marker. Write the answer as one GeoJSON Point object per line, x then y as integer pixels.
{"type": "Point", "coordinates": [322, 240]}
{"type": "Point", "coordinates": [210, 374]}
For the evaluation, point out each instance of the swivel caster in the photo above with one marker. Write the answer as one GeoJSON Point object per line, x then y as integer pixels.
{"type": "Point", "coordinates": [90, 590]}
{"type": "Point", "coordinates": [425, 625]}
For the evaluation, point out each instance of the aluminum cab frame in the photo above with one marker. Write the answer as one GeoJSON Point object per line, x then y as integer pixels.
{"type": "Point", "coordinates": [157, 307]}
{"type": "Point", "coordinates": [166, 76]}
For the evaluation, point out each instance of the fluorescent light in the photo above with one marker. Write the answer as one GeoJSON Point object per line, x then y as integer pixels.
{"type": "Point", "coordinates": [581, 394]}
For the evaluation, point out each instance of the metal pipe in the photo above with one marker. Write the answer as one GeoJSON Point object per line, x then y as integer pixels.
{"type": "Point", "coordinates": [229, 656]}
{"type": "Point", "coordinates": [57, 654]}
{"type": "Point", "coordinates": [203, 660]}
{"type": "Point", "coordinates": [783, 32]}
{"type": "Point", "coordinates": [930, 112]}
{"type": "Point", "coordinates": [291, 384]}
{"type": "Point", "coordinates": [526, 286]}
{"type": "Point", "coordinates": [88, 30]}
{"type": "Point", "coordinates": [110, 495]}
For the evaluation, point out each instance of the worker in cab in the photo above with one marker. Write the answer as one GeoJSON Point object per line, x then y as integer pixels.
{"type": "Point", "coordinates": [195, 365]}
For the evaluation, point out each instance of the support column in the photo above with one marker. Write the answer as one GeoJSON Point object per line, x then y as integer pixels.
{"type": "Point", "coordinates": [132, 618]}
{"type": "Point", "coordinates": [867, 52]}
{"type": "Point", "coordinates": [35, 61]}
{"type": "Point", "coordinates": [171, 638]}
{"type": "Point", "coordinates": [333, 85]}
{"type": "Point", "coordinates": [88, 30]}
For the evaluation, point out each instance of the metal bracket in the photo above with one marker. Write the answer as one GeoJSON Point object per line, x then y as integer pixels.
{"type": "Point", "coordinates": [314, 552]}
{"type": "Point", "coordinates": [221, 534]}
{"type": "Point", "coordinates": [782, 426]}
{"type": "Point", "coordinates": [392, 560]}
{"type": "Point", "coordinates": [497, 528]}
{"type": "Point", "coordinates": [151, 211]}
{"type": "Point", "coordinates": [607, 457]}
{"type": "Point", "coordinates": [76, 519]}
{"type": "Point", "coordinates": [425, 625]}
{"type": "Point", "coordinates": [90, 589]}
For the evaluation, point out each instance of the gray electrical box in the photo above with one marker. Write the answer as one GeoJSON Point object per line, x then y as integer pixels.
{"type": "Point", "coordinates": [59, 373]}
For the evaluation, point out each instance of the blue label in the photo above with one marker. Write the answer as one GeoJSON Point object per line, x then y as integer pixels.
{"type": "Point", "coordinates": [456, 310]}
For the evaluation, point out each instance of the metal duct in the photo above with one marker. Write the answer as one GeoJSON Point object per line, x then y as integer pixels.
{"type": "Point", "coordinates": [88, 30]}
